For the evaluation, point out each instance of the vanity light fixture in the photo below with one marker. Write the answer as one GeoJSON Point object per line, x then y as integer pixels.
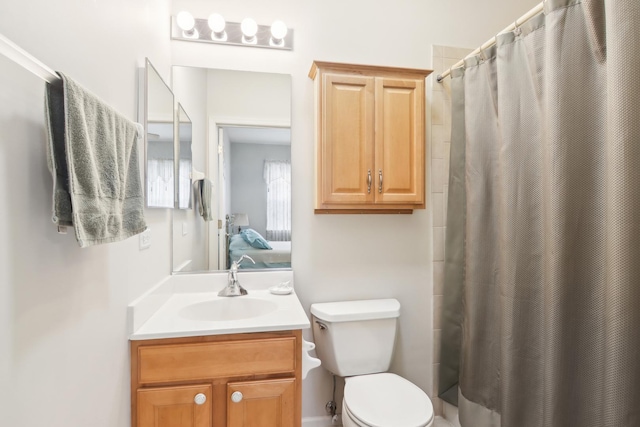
{"type": "Point", "coordinates": [217, 30]}
{"type": "Point", "coordinates": [187, 23]}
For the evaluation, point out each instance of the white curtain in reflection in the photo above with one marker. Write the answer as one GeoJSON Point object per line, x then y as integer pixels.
{"type": "Point", "coordinates": [184, 183]}
{"type": "Point", "coordinates": [160, 183]}
{"type": "Point", "coordinates": [277, 175]}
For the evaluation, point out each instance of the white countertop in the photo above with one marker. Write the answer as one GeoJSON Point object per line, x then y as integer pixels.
{"type": "Point", "coordinates": [171, 297]}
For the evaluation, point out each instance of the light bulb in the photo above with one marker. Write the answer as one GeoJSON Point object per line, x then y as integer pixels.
{"type": "Point", "coordinates": [278, 30]}
{"type": "Point", "coordinates": [185, 20]}
{"type": "Point", "coordinates": [217, 23]}
{"type": "Point", "coordinates": [249, 29]}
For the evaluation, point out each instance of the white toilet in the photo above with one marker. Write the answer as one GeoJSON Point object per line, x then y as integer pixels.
{"type": "Point", "coordinates": [355, 340]}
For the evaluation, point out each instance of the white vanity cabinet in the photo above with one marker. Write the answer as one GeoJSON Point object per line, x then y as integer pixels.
{"type": "Point", "coordinates": [233, 380]}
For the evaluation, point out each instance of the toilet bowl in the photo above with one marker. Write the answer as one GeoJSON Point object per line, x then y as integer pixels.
{"type": "Point", "coordinates": [385, 400]}
{"type": "Point", "coordinates": [355, 340]}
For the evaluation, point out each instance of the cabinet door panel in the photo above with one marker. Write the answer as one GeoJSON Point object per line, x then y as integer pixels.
{"type": "Point", "coordinates": [399, 141]}
{"type": "Point", "coordinates": [347, 139]}
{"type": "Point", "coordinates": [269, 403]}
{"type": "Point", "coordinates": [174, 407]}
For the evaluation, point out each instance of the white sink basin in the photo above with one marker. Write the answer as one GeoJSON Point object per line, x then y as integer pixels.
{"type": "Point", "coordinates": [229, 308]}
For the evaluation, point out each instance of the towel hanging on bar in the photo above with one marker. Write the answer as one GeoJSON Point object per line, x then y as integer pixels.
{"type": "Point", "coordinates": [93, 158]}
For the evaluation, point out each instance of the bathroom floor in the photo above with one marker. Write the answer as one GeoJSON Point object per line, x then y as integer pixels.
{"type": "Point", "coordinates": [441, 422]}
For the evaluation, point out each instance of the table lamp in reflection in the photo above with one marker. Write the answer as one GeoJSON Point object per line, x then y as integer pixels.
{"type": "Point", "coordinates": [240, 220]}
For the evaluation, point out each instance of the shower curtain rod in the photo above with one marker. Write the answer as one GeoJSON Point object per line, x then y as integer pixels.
{"type": "Point", "coordinates": [22, 57]}
{"type": "Point", "coordinates": [524, 18]}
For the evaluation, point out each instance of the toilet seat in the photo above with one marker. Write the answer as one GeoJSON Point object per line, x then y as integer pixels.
{"type": "Point", "coordinates": [386, 400]}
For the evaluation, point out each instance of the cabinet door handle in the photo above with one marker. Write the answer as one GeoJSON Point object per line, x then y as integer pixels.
{"type": "Point", "coordinates": [380, 175]}
{"type": "Point", "coordinates": [200, 399]}
{"type": "Point", "coordinates": [369, 182]}
{"type": "Point", "coordinates": [236, 396]}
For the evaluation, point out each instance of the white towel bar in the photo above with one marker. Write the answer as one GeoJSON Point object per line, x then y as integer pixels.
{"type": "Point", "coordinates": [24, 58]}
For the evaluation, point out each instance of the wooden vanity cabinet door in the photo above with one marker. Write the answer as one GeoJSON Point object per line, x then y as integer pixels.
{"type": "Point", "coordinates": [267, 403]}
{"type": "Point", "coordinates": [174, 406]}
{"type": "Point", "coordinates": [399, 171]}
{"type": "Point", "coordinates": [346, 149]}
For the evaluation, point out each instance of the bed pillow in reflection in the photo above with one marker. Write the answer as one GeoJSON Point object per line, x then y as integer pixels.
{"type": "Point", "coordinates": [254, 238]}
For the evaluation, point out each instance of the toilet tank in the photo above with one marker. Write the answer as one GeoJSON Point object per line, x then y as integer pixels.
{"type": "Point", "coordinates": [355, 337]}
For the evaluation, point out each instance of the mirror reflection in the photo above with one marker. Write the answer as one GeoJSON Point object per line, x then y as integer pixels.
{"type": "Point", "coordinates": [241, 141]}
{"type": "Point", "coordinates": [185, 159]}
{"type": "Point", "coordinates": [159, 111]}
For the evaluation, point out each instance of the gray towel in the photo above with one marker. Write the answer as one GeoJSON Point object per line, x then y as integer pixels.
{"type": "Point", "coordinates": [203, 195]}
{"type": "Point", "coordinates": [93, 157]}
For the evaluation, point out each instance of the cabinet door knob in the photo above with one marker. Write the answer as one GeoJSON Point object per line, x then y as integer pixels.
{"type": "Point", "coordinates": [369, 182]}
{"type": "Point", "coordinates": [200, 399]}
{"type": "Point", "coordinates": [380, 175]}
{"type": "Point", "coordinates": [236, 396]}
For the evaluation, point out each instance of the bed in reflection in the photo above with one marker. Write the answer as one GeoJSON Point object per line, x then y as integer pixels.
{"type": "Point", "coordinates": [266, 254]}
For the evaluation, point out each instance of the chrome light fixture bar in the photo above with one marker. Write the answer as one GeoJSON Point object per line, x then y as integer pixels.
{"type": "Point", "coordinates": [216, 30]}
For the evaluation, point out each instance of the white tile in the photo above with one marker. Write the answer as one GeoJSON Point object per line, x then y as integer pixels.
{"type": "Point", "coordinates": [446, 200]}
{"type": "Point", "coordinates": [438, 278]}
{"type": "Point", "coordinates": [450, 62]}
{"type": "Point", "coordinates": [446, 117]}
{"type": "Point", "coordinates": [438, 65]}
{"type": "Point", "coordinates": [446, 133]}
{"type": "Point", "coordinates": [437, 336]}
{"type": "Point", "coordinates": [446, 151]}
{"type": "Point", "coordinates": [438, 133]}
{"type": "Point", "coordinates": [455, 52]}
{"type": "Point", "coordinates": [437, 311]}
{"type": "Point", "coordinates": [437, 406]}
{"type": "Point", "coordinates": [438, 244]}
{"type": "Point", "coordinates": [437, 108]}
{"type": "Point", "coordinates": [437, 201]}
{"type": "Point", "coordinates": [437, 175]}
{"type": "Point", "coordinates": [437, 50]}
{"type": "Point", "coordinates": [436, 378]}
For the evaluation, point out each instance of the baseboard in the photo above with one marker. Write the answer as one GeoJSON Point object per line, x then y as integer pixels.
{"type": "Point", "coordinates": [317, 422]}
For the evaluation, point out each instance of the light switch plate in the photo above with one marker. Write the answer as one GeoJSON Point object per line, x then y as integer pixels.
{"type": "Point", "coordinates": [145, 239]}
{"type": "Point", "coordinates": [184, 229]}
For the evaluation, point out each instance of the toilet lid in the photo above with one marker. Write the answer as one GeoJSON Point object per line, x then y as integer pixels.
{"type": "Point", "coordinates": [383, 400]}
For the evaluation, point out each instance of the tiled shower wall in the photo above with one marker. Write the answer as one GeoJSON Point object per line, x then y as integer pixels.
{"type": "Point", "coordinates": [443, 58]}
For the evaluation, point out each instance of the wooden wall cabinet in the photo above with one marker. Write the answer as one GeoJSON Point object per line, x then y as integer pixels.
{"type": "Point", "coordinates": [239, 380]}
{"type": "Point", "coordinates": [370, 138]}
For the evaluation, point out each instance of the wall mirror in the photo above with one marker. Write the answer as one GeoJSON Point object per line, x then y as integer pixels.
{"type": "Point", "coordinates": [241, 141]}
{"type": "Point", "coordinates": [185, 158]}
{"type": "Point", "coordinates": [159, 140]}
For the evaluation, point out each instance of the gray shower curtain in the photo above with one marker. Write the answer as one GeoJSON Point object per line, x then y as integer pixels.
{"type": "Point", "coordinates": [541, 324]}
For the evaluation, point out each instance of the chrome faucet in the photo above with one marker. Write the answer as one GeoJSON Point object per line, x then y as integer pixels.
{"type": "Point", "coordinates": [233, 288]}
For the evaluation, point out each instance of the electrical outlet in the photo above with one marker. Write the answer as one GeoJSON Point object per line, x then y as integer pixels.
{"type": "Point", "coordinates": [145, 239]}
{"type": "Point", "coordinates": [184, 229]}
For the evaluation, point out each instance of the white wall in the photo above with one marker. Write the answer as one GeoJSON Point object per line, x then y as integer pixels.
{"type": "Point", "coordinates": [63, 336]}
{"type": "Point", "coordinates": [338, 257]}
